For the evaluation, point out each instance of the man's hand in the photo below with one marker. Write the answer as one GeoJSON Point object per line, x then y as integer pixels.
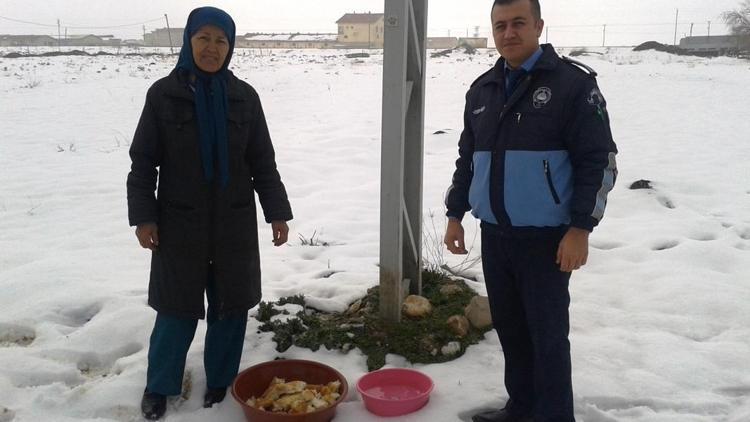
{"type": "Point", "coordinates": [573, 250]}
{"type": "Point", "coordinates": [148, 235]}
{"type": "Point", "coordinates": [280, 232]}
{"type": "Point", "coordinates": [454, 237]}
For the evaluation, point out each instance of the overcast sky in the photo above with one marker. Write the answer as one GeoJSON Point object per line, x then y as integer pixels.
{"type": "Point", "coordinates": [570, 22]}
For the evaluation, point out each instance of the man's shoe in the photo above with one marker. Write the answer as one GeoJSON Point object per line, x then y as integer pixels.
{"type": "Point", "coordinates": [501, 415]}
{"type": "Point", "coordinates": [153, 405]}
{"type": "Point", "coordinates": [213, 396]}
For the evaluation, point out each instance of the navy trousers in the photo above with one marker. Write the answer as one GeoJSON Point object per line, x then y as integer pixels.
{"type": "Point", "coordinates": [170, 341]}
{"type": "Point", "coordinates": [529, 301]}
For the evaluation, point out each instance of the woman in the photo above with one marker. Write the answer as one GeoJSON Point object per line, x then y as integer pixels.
{"type": "Point", "coordinates": [203, 133]}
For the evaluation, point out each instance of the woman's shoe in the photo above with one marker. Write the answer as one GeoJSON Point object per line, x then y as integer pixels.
{"type": "Point", "coordinates": [153, 405]}
{"type": "Point", "coordinates": [213, 396]}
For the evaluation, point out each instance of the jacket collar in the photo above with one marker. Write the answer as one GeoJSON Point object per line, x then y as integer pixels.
{"type": "Point", "coordinates": [547, 61]}
{"type": "Point", "coordinates": [177, 86]}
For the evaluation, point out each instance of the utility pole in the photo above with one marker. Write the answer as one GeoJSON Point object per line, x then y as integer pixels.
{"type": "Point", "coordinates": [604, 35]}
{"type": "Point", "coordinates": [691, 29]}
{"type": "Point", "coordinates": [709, 28]}
{"type": "Point", "coordinates": [676, 14]}
{"type": "Point", "coordinates": [546, 35]}
{"type": "Point", "coordinates": [169, 33]}
{"type": "Point", "coordinates": [144, 34]}
{"type": "Point", "coordinates": [59, 36]}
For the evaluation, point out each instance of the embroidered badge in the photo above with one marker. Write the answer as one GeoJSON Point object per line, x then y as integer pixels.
{"type": "Point", "coordinates": [541, 97]}
{"type": "Point", "coordinates": [479, 110]}
{"type": "Point", "coordinates": [595, 97]}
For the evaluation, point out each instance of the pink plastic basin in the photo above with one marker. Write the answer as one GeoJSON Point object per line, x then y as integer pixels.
{"type": "Point", "coordinates": [394, 391]}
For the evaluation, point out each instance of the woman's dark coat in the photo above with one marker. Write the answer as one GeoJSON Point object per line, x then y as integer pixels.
{"type": "Point", "coordinates": [203, 227]}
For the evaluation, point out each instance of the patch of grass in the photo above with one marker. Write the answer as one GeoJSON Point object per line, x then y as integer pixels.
{"type": "Point", "coordinates": [418, 340]}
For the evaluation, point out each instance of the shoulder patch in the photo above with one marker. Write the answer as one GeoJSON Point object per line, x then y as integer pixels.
{"type": "Point", "coordinates": [482, 76]}
{"type": "Point", "coordinates": [580, 66]}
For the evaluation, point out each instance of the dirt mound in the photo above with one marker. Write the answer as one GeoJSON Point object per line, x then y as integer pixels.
{"type": "Point", "coordinates": [653, 45]}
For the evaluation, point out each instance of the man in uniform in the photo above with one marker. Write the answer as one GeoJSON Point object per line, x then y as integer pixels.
{"type": "Point", "coordinates": [536, 162]}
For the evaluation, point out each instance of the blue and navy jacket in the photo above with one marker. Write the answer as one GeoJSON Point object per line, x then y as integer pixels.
{"type": "Point", "coordinates": [544, 157]}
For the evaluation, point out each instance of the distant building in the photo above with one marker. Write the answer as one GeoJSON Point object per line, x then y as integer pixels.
{"type": "Point", "coordinates": [361, 30]}
{"type": "Point", "coordinates": [714, 44]}
{"type": "Point", "coordinates": [27, 41]}
{"type": "Point", "coordinates": [90, 40]}
{"type": "Point", "coordinates": [476, 42]}
{"type": "Point", "coordinates": [164, 38]}
{"type": "Point", "coordinates": [290, 41]}
{"type": "Point", "coordinates": [442, 43]}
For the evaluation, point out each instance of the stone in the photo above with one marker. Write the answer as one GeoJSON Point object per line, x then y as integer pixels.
{"type": "Point", "coordinates": [355, 307]}
{"type": "Point", "coordinates": [451, 348]}
{"type": "Point", "coordinates": [416, 306]}
{"type": "Point", "coordinates": [6, 415]}
{"type": "Point", "coordinates": [641, 184]}
{"type": "Point", "coordinates": [450, 290]}
{"type": "Point", "coordinates": [478, 312]}
{"type": "Point", "coordinates": [459, 324]}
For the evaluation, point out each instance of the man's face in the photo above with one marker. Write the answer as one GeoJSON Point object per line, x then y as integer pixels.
{"type": "Point", "coordinates": [516, 31]}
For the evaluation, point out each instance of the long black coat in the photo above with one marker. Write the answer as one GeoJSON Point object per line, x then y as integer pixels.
{"type": "Point", "coordinates": [202, 227]}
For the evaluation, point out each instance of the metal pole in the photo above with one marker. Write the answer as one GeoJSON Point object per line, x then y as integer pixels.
{"type": "Point", "coordinates": [691, 29]}
{"type": "Point", "coordinates": [709, 28]}
{"type": "Point", "coordinates": [604, 35]}
{"type": "Point", "coordinates": [169, 33]}
{"type": "Point", "coordinates": [402, 154]}
{"type": "Point", "coordinates": [59, 36]}
{"type": "Point", "coordinates": [546, 35]}
{"type": "Point", "coordinates": [676, 14]}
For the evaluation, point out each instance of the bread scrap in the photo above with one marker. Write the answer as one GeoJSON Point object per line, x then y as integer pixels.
{"type": "Point", "coordinates": [296, 397]}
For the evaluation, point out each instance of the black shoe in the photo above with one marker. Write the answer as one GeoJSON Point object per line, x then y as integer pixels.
{"type": "Point", "coordinates": [153, 405]}
{"type": "Point", "coordinates": [213, 396]}
{"type": "Point", "coordinates": [501, 415]}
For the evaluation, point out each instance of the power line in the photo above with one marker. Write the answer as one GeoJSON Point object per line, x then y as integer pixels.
{"type": "Point", "coordinates": [80, 27]}
{"type": "Point", "coordinates": [26, 22]}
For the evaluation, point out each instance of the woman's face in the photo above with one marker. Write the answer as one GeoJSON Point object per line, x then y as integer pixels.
{"type": "Point", "coordinates": [210, 48]}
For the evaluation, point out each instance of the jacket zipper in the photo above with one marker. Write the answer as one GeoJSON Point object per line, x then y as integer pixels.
{"type": "Point", "coordinates": [552, 190]}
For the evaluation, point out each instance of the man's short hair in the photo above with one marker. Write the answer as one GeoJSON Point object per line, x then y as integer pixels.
{"type": "Point", "coordinates": [536, 9]}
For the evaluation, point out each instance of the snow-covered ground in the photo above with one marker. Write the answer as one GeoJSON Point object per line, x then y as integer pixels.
{"type": "Point", "coordinates": [660, 315]}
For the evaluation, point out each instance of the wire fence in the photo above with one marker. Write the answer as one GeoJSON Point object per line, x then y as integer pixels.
{"type": "Point", "coordinates": [608, 35]}
{"type": "Point", "coordinates": [589, 35]}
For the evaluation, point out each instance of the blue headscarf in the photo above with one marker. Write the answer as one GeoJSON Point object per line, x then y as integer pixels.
{"type": "Point", "coordinates": [211, 103]}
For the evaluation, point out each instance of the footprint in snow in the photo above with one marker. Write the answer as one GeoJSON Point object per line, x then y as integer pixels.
{"type": "Point", "coordinates": [76, 317]}
{"type": "Point", "coordinates": [702, 236]}
{"type": "Point", "coordinates": [326, 274]}
{"type": "Point", "coordinates": [13, 335]}
{"type": "Point", "coordinates": [666, 202]}
{"type": "Point", "coordinates": [664, 245]}
{"type": "Point", "coordinates": [735, 391]}
{"type": "Point", "coordinates": [606, 245]}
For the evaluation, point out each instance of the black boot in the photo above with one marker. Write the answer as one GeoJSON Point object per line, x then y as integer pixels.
{"type": "Point", "coordinates": [501, 415]}
{"type": "Point", "coordinates": [153, 405]}
{"type": "Point", "coordinates": [213, 396]}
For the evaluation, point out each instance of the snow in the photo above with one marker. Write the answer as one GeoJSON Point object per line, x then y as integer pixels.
{"type": "Point", "coordinates": [660, 316]}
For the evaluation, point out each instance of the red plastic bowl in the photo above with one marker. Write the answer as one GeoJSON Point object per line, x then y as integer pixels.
{"type": "Point", "coordinates": [254, 380]}
{"type": "Point", "coordinates": [394, 391]}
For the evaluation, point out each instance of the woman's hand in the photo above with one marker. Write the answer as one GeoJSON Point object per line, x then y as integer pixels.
{"type": "Point", "coordinates": [280, 232]}
{"type": "Point", "coordinates": [148, 235]}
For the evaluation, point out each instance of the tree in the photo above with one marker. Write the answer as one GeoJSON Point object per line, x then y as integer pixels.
{"type": "Point", "coordinates": [738, 21]}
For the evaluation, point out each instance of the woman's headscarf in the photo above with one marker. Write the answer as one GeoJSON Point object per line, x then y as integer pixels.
{"type": "Point", "coordinates": [211, 103]}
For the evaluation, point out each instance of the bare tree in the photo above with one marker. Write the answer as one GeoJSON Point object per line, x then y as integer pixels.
{"type": "Point", "coordinates": [738, 21]}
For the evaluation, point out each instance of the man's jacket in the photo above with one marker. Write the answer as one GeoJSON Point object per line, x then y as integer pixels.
{"type": "Point", "coordinates": [543, 157]}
